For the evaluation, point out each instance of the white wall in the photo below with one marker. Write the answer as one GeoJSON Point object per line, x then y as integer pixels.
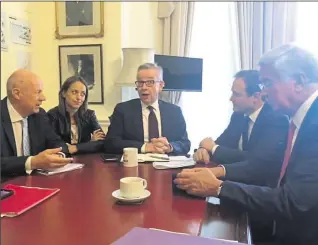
{"type": "Point", "coordinates": [122, 29]}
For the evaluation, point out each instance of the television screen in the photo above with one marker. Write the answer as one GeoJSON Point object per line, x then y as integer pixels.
{"type": "Point", "coordinates": [181, 73]}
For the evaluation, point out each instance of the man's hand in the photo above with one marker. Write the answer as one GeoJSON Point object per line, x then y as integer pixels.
{"type": "Point", "coordinates": [49, 159]}
{"type": "Point", "coordinates": [97, 135]}
{"type": "Point", "coordinates": [72, 149]}
{"type": "Point", "coordinates": [160, 145]}
{"type": "Point", "coordinates": [201, 155]}
{"type": "Point", "coordinates": [198, 182]}
{"type": "Point", "coordinates": [150, 147]}
{"type": "Point", "coordinates": [208, 144]}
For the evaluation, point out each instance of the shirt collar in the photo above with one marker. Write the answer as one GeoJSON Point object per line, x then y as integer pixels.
{"type": "Point", "coordinates": [14, 115]}
{"type": "Point", "coordinates": [303, 109]}
{"type": "Point", "coordinates": [253, 116]}
{"type": "Point", "coordinates": [155, 105]}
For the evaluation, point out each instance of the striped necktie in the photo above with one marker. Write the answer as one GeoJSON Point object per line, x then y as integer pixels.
{"type": "Point", "coordinates": [25, 137]}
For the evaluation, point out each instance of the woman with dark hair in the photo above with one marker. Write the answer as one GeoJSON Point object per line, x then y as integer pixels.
{"type": "Point", "coordinates": [76, 125]}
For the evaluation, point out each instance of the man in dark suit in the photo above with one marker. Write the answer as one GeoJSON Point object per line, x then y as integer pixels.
{"type": "Point", "coordinates": [290, 78]}
{"type": "Point", "coordinates": [146, 123]}
{"type": "Point", "coordinates": [27, 140]}
{"type": "Point", "coordinates": [253, 126]}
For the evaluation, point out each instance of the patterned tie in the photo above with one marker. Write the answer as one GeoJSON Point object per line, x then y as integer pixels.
{"type": "Point", "coordinates": [25, 137]}
{"type": "Point", "coordinates": [288, 151]}
{"type": "Point", "coordinates": [153, 130]}
{"type": "Point", "coordinates": [245, 133]}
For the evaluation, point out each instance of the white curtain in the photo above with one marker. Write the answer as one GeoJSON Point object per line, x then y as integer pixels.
{"type": "Point", "coordinates": [261, 27]}
{"type": "Point", "coordinates": [177, 26]}
{"type": "Point", "coordinates": [207, 113]}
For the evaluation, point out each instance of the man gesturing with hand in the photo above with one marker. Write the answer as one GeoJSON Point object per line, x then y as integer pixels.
{"type": "Point", "coordinates": [27, 140]}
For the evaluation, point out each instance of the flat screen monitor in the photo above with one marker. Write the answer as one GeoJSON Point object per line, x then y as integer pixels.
{"type": "Point", "coordinates": [181, 73]}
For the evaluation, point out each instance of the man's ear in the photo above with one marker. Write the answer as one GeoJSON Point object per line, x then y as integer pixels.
{"type": "Point", "coordinates": [300, 81]}
{"type": "Point", "coordinates": [162, 85]}
{"type": "Point", "coordinates": [16, 93]}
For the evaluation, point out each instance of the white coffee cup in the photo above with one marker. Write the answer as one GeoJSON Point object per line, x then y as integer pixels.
{"type": "Point", "coordinates": [130, 157]}
{"type": "Point", "coordinates": [132, 187]}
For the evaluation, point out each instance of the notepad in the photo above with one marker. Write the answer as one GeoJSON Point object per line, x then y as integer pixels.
{"type": "Point", "coordinates": [66, 168]}
{"type": "Point", "coordinates": [151, 157]}
{"type": "Point", "coordinates": [23, 199]}
{"type": "Point", "coordinates": [143, 236]}
{"type": "Point", "coordinates": [174, 164]}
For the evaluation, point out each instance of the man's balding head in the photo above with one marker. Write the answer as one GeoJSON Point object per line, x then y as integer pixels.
{"type": "Point", "coordinates": [24, 90]}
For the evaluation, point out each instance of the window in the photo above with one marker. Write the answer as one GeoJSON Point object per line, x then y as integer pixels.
{"type": "Point", "coordinates": [306, 29]}
{"type": "Point", "coordinates": [207, 113]}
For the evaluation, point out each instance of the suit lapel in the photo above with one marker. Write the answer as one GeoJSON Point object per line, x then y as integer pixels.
{"type": "Point", "coordinates": [164, 114]}
{"type": "Point", "coordinates": [310, 121]}
{"type": "Point", "coordinates": [137, 117]}
{"type": "Point", "coordinates": [7, 125]}
{"type": "Point", "coordinates": [257, 128]}
{"type": "Point", "coordinates": [32, 127]}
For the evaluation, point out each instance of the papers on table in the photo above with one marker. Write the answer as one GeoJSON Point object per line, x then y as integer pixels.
{"type": "Point", "coordinates": [151, 157]}
{"type": "Point", "coordinates": [66, 168]}
{"type": "Point", "coordinates": [174, 162]}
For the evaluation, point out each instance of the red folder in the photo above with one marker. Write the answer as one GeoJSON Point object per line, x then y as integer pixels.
{"type": "Point", "coordinates": [143, 236]}
{"type": "Point", "coordinates": [23, 199]}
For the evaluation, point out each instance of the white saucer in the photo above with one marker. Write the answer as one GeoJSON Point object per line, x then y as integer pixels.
{"type": "Point", "coordinates": [117, 195]}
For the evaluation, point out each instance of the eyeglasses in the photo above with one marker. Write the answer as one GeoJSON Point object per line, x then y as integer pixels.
{"type": "Point", "coordinates": [149, 83]}
{"type": "Point", "coordinates": [266, 83]}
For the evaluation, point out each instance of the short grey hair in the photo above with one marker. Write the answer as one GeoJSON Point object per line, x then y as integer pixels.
{"type": "Point", "coordinates": [291, 61]}
{"type": "Point", "coordinates": [148, 66]}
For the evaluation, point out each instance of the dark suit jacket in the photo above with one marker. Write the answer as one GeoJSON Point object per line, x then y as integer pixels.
{"type": "Point", "coordinates": [85, 126]}
{"type": "Point", "coordinates": [126, 128]}
{"type": "Point", "coordinates": [294, 205]}
{"type": "Point", "coordinates": [269, 128]}
{"type": "Point", "coordinates": [41, 134]}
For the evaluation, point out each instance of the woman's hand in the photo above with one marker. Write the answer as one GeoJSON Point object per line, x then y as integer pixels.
{"type": "Point", "coordinates": [97, 135]}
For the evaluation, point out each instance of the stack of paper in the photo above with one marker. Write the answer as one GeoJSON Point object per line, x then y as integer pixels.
{"type": "Point", "coordinates": [175, 162]}
{"type": "Point", "coordinates": [66, 168]}
{"type": "Point", "coordinates": [151, 157]}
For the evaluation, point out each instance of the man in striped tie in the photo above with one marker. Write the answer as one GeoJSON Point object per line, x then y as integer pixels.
{"type": "Point", "coordinates": [289, 75]}
{"type": "Point", "coordinates": [27, 140]}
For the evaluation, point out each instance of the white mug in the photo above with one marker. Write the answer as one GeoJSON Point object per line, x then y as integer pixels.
{"type": "Point", "coordinates": [130, 157]}
{"type": "Point", "coordinates": [132, 187]}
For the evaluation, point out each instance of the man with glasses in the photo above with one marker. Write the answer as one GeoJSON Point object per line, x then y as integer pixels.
{"type": "Point", "coordinates": [290, 79]}
{"type": "Point", "coordinates": [149, 124]}
{"type": "Point", "coordinates": [253, 126]}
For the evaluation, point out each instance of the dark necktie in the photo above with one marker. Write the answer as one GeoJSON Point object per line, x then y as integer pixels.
{"type": "Point", "coordinates": [153, 130]}
{"type": "Point", "coordinates": [288, 151]}
{"type": "Point", "coordinates": [245, 133]}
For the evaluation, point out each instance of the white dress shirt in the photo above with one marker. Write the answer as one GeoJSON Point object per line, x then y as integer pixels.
{"type": "Point", "coordinates": [145, 115]}
{"type": "Point", "coordinates": [299, 116]}
{"type": "Point", "coordinates": [253, 117]}
{"type": "Point", "coordinates": [16, 121]}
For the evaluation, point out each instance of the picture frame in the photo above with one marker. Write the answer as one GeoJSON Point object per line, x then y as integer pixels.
{"type": "Point", "coordinates": [79, 19]}
{"type": "Point", "coordinates": [86, 61]}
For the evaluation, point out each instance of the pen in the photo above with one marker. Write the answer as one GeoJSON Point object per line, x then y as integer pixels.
{"type": "Point", "coordinates": [157, 157]}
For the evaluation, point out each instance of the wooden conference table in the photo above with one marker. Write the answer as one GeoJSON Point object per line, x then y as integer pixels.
{"type": "Point", "coordinates": [85, 213]}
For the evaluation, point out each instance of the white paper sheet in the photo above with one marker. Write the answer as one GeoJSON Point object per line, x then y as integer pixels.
{"type": "Point", "coordinates": [66, 168]}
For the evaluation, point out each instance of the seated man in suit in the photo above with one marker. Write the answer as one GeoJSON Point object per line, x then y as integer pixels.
{"type": "Point", "coordinates": [290, 78]}
{"type": "Point", "coordinates": [149, 124]}
{"type": "Point", "coordinates": [27, 140]}
{"type": "Point", "coordinates": [253, 125]}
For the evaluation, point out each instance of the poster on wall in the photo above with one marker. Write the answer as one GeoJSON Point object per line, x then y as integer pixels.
{"type": "Point", "coordinates": [24, 60]}
{"type": "Point", "coordinates": [4, 36]}
{"type": "Point", "coordinates": [20, 31]}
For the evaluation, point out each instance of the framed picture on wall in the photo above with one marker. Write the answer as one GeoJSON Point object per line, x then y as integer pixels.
{"type": "Point", "coordinates": [85, 61]}
{"type": "Point", "coordinates": [79, 19]}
